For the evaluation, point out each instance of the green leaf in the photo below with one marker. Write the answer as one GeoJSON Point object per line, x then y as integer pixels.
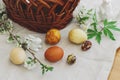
{"type": "Point", "coordinates": [91, 35]}
{"type": "Point", "coordinates": [30, 58]}
{"type": "Point", "coordinates": [2, 29]}
{"type": "Point", "coordinates": [84, 18]}
{"type": "Point", "coordinates": [83, 15]}
{"type": "Point", "coordinates": [17, 36]}
{"type": "Point", "coordinates": [95, 26]}
{"type": "Point", "coordinates": [10, 39]}
{"type": "Point", "coordinates": [105, 32]}
{"type": "Point", "coordinates": [110, 34]}
{"type": "Point", "coordinates": [109, 26]}
{"type": "Point", "coordinates": [50, 69]}
{"type": "Point", "coordinates": [43, 70]}
{"type": "Point", "coordinates": [112, 22]}
{"type": "Point", "coordinates": [89, 11]}
{"type": "Point", "coordinates": [105, 22]}
{"type": "Point", "coordinates": [90, 31]}
{"type": "Point", "coordinates": [98, 37]}
{"type": "Point", "coordinates": [78, 17]}
{"type": "Point", "coordinates": [46, 68]}
{"type": "Point", "coordinates": [114, 28]}
{"type": "Point", "coordinates": [95, 17]}
{"type": "Point", "coordinates": [2, 13]}
{"type": "Point", "coordinates": [28, 62]}
{"type": "Point", "coordinates": [95, 22]}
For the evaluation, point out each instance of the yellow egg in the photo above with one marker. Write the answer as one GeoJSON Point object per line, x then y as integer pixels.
{"type": "Point", "coordinates": [17, 56]}
{"type": "Point", "coordinates": [77, 36]}
{"type": "Point", "coordinates": [53, 36]}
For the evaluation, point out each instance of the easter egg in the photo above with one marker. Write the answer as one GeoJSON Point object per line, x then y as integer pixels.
{"type": "Point", "coordinates": [77, 36]}
{"type": "Point", "coordinates": [17, 56]}
{"type": "Point", "coordinates": [53, 36]}
{"type": "Point", "coordinates": [54, 54]}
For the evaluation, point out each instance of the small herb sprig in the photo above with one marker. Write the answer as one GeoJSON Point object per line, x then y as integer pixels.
{"type": "Point", "coordinates": [6, 26]}
{"type": "Point", "coordinates": [84, 15]}
{"type": "Point", "coordinates": [97, 30]}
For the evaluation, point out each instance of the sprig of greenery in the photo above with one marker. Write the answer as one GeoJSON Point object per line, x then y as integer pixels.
{"type": "Point", "coordinates": [84, 15]}
{"type": "Point", "coordinates": [96, 31]}
{"type": "Point", "coordinates": [45, 68]}
{"type": "Point", "coordinates": [5, 23]}
{"type": "Point", "coordinates": [6, 26]}
{"type": "Point", "coordinates": [105, 29]}
{"type": "Point", "coordinates": [31, 60]}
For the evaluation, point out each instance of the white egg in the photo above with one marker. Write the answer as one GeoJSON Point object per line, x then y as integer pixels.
{"type": "Point", "coordinates": [17, 56]}
{"type": "Point", "coordinates": [77, 36]}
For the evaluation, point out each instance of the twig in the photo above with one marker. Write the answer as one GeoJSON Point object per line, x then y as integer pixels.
{"type": "Point", "coordinates": [44, 67]}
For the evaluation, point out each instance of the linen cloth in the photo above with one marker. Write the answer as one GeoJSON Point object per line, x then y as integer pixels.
{"type": "Point", "coordinates": [94, 64]}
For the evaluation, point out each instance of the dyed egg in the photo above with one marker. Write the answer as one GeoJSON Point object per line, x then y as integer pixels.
{"type": "Point", "coordinates": [17, 56]}
{"type": "Point", "coordinates": [54, 54]}
{"type": "Point", "coordinates": [53, 36]}
{"type": "Point", "coordinates": [77, 36]}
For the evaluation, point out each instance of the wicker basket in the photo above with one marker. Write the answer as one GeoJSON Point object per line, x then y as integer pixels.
{"type": "Point", "coordinates": [41, 15]}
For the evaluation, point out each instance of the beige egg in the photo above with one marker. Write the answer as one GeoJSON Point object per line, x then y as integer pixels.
{"type": "Point", "coordinates": [77, 36]}
{"type": "Point", "coordinates": [17, 56]}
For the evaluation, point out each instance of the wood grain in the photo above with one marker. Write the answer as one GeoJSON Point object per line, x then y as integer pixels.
{"type": "Point", "coordinates": [115, 71]}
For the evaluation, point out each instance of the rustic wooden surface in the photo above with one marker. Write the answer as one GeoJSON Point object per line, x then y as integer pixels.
{"type": "Point", "coordinates": [115, 72]}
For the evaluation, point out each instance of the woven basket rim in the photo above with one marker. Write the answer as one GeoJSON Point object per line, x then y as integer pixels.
{"type": "Point", "coordinates": [43, 13]}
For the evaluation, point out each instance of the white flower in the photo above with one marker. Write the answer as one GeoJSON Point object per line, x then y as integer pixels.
{"type": "Point", "coordinates": [34, 43]}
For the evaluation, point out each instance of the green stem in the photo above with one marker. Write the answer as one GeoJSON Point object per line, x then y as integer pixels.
{"type": "Point", "coordinates": [44, 67]}
{"type": "Point", "coordinates": [101, 29]}
{"type": "Point", "coordinates": [18, 41]}
{"type": "Point", "coordinates": [33, 54]}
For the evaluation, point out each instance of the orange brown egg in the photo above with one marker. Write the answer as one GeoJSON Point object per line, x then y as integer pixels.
{"type": "Point", "coordinates": [54, 54]}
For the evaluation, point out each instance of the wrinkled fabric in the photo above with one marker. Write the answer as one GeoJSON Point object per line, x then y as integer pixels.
{"type": "Point", "coordinates": [94, 64]}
